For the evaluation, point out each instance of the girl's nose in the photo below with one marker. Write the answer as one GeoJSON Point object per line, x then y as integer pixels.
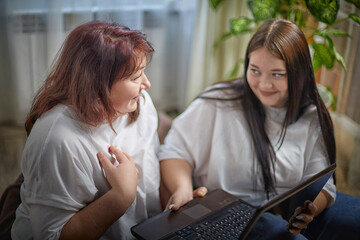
{"type": "Point", "coordinates": [265, 83]}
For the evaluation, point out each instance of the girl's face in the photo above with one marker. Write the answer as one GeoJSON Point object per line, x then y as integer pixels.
{"type": "Point", "coordinates": [125, 93]}
{"type": "Point", "coordinates": [267, 77]}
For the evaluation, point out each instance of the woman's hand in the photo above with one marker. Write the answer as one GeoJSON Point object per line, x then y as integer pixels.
{"type": "Point", "coordinates": [182, 196]}
{"type": "Point", "coordinates": [121, 173]}
{"type": "Point", "coordinates": [302, 217]}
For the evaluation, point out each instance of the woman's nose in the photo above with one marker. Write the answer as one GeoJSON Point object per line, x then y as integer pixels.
{"type": "Point", "coordinates": [145, 82]}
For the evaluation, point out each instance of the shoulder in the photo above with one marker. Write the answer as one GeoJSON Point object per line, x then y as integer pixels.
{"type": "Point", "coordinates": [224, 90]}
{"type": "Point", "coordinates": [309, 123]}
{"type": "Point", "coordinates": [56, 126]}
{"type": "Point", "coordinates": [217, 103]}
{"type": "Point", "coordinates": [310, 115]}
{"type": "Point", "coordinates": [54, 139]}
{"type": "Point", "coordinates": [310, 111]}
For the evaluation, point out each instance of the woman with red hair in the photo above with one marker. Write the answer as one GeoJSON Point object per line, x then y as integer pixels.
{"type": "Point", "coordinates": [89, 164]}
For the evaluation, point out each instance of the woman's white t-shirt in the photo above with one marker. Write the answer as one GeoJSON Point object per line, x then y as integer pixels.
{"type": "Point", "coordinates": [213, 136]}
{"type": "Point", "coordinates": [62, 173]}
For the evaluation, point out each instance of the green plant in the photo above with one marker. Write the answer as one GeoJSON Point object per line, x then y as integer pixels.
{"type": "Point", "coordinates": [300, 12]}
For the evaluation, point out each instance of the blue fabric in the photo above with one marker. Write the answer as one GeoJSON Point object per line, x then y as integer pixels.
{"type": "Point", "coordinates": [340, 221]}
{"type": "Point", "coordinates": [271, 226]}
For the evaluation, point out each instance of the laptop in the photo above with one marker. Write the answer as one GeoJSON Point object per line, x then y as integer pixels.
{"type": "Point", "coordinates": [221, 215]}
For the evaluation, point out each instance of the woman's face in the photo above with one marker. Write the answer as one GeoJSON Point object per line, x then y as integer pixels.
{"type": "Point", "coordinates": [125, 93]}
{"type": "Point", "coordinates": [267, 77]}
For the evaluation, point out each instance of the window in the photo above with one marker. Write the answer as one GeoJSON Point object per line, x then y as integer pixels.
{"type": "Point", "coordinates": [36, 29]}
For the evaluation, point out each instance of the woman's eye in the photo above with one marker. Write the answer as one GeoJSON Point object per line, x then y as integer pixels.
{"type": "Point", "coordinates": [136, 78]}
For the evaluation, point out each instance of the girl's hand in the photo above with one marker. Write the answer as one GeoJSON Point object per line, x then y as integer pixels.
{"type": "Point", "coordinates": [302, 217]}
{"type": "Point", "coordinates": [181, 197]}
{"type": "Point", "coordinates": [121, 173]}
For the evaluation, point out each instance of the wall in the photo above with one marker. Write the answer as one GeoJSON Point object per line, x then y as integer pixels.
{"type": "Point", "coordinates": [6, 88]}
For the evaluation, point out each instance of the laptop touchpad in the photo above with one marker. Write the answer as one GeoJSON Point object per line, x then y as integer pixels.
{"type": "Point", "coordinates": [197, 211]}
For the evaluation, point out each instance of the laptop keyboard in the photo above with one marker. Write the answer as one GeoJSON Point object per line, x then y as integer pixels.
{"type": "Point", "coordinates": [221, 226]}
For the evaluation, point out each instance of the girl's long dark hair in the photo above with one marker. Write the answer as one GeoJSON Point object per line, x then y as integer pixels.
{"type": "Point", "coordinates": [285, 41]}
{"type": "Point", "coordinates": [92, 58]}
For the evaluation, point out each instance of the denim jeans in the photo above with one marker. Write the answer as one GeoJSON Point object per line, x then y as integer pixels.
{"type": "Point", "coordinates": [271, 226]}
{"type": "Point", "coordinates": [340, 221]}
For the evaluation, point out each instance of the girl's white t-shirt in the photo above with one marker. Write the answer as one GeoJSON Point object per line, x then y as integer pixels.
{"type": "Point", "coordinates": [213, 136]}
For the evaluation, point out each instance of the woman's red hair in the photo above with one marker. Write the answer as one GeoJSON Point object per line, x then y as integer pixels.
{"type": "Point", "coordinates": [92, 57]}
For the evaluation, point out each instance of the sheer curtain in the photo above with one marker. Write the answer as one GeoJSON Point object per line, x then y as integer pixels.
{"type": "Point", "coordinates": [34, 30]}
{"type": "Point", "coordinates": [207, 64]}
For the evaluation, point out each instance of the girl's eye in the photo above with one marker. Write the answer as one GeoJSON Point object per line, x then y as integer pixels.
{"type": "Point", "coordinates": [255, 71]}
{"type": "Point", "coordinates": [279, 75]}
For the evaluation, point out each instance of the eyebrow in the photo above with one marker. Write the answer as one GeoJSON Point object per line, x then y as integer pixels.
{"type": "Point", "coordinates": [278, 70]}
{"type": "Point", "coordinates": [273, 70]}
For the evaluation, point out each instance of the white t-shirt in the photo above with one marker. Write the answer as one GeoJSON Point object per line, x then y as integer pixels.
{"type": "Point", "coordinates": [213, 136]}
{"type": "Point", "coordinates": [62, 173]}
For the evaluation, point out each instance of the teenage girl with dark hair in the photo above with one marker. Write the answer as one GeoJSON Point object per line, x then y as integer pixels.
{"type": "Point", "coordinates": [258, 136]}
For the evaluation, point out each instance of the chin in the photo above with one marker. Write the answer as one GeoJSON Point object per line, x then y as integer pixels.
{"type": "Point", "coordinates": [132, 109]}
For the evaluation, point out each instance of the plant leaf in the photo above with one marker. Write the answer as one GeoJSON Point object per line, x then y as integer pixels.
{"type": "Point", "coordinates": [327, 95]}
{"type": "Point", "coordinates": [316, 62]}
{"type": "Point", "coordinates": [222, 38]}
{"type": "Point", "coordinates": [323, 55]}
{"type": "Point", "coordinates": [339, 59]}
{"type": "Point", "coordinates": [355, 2]}
{"type": "Point", "coordinates": [240, 25]}
{"type": "Point", "coordinates": [324, 10]}
{"type": "Point", "coordinates": [215, 3]}
{"type": "Point", "coordinates": [355, 17]}
{"type": "Point", "coordinates": [263, 9]}
{"type": "Point", "coordinates": [234, 70]}
{"type": "Point", "coordinates": [337, 55]}
{"type": "Point", "coordinates": [333, 32]}
{"type": "Point", "coordinates": [334, 100]}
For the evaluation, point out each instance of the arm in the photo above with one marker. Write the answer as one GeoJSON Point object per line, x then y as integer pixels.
{"type": "Point", "coordinates": [94, 219]}
{"type": "Point", "coordinates": [321, 202]}
{"type": "Point", "coordinates": [176, 177]}
{"type": "Point", "coordinates": [176, 187]}
{"type": "Point", "coordinates": [317, 160]}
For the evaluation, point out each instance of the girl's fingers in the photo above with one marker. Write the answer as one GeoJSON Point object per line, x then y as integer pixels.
{"type": "Point", "coordinates": [294, 231]}
{"type": "Point", "coordinates": [311, 208]}
{"type": "Point", "coordinates": [200, 192]}
{"type": "Point", "coordinates": [171, 206]}
{"type": "Point", "coordinates": [299, 225]}
{"type": "Point", "coordinates": [302, 217]}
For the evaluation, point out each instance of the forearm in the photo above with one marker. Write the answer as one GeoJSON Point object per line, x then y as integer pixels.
{"type": "Point", "coordinates": [176, 174]}
{"type": "Point", "coordinates": [94, 219]}
{"type": "Point", "coordinates": [321, 201]}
